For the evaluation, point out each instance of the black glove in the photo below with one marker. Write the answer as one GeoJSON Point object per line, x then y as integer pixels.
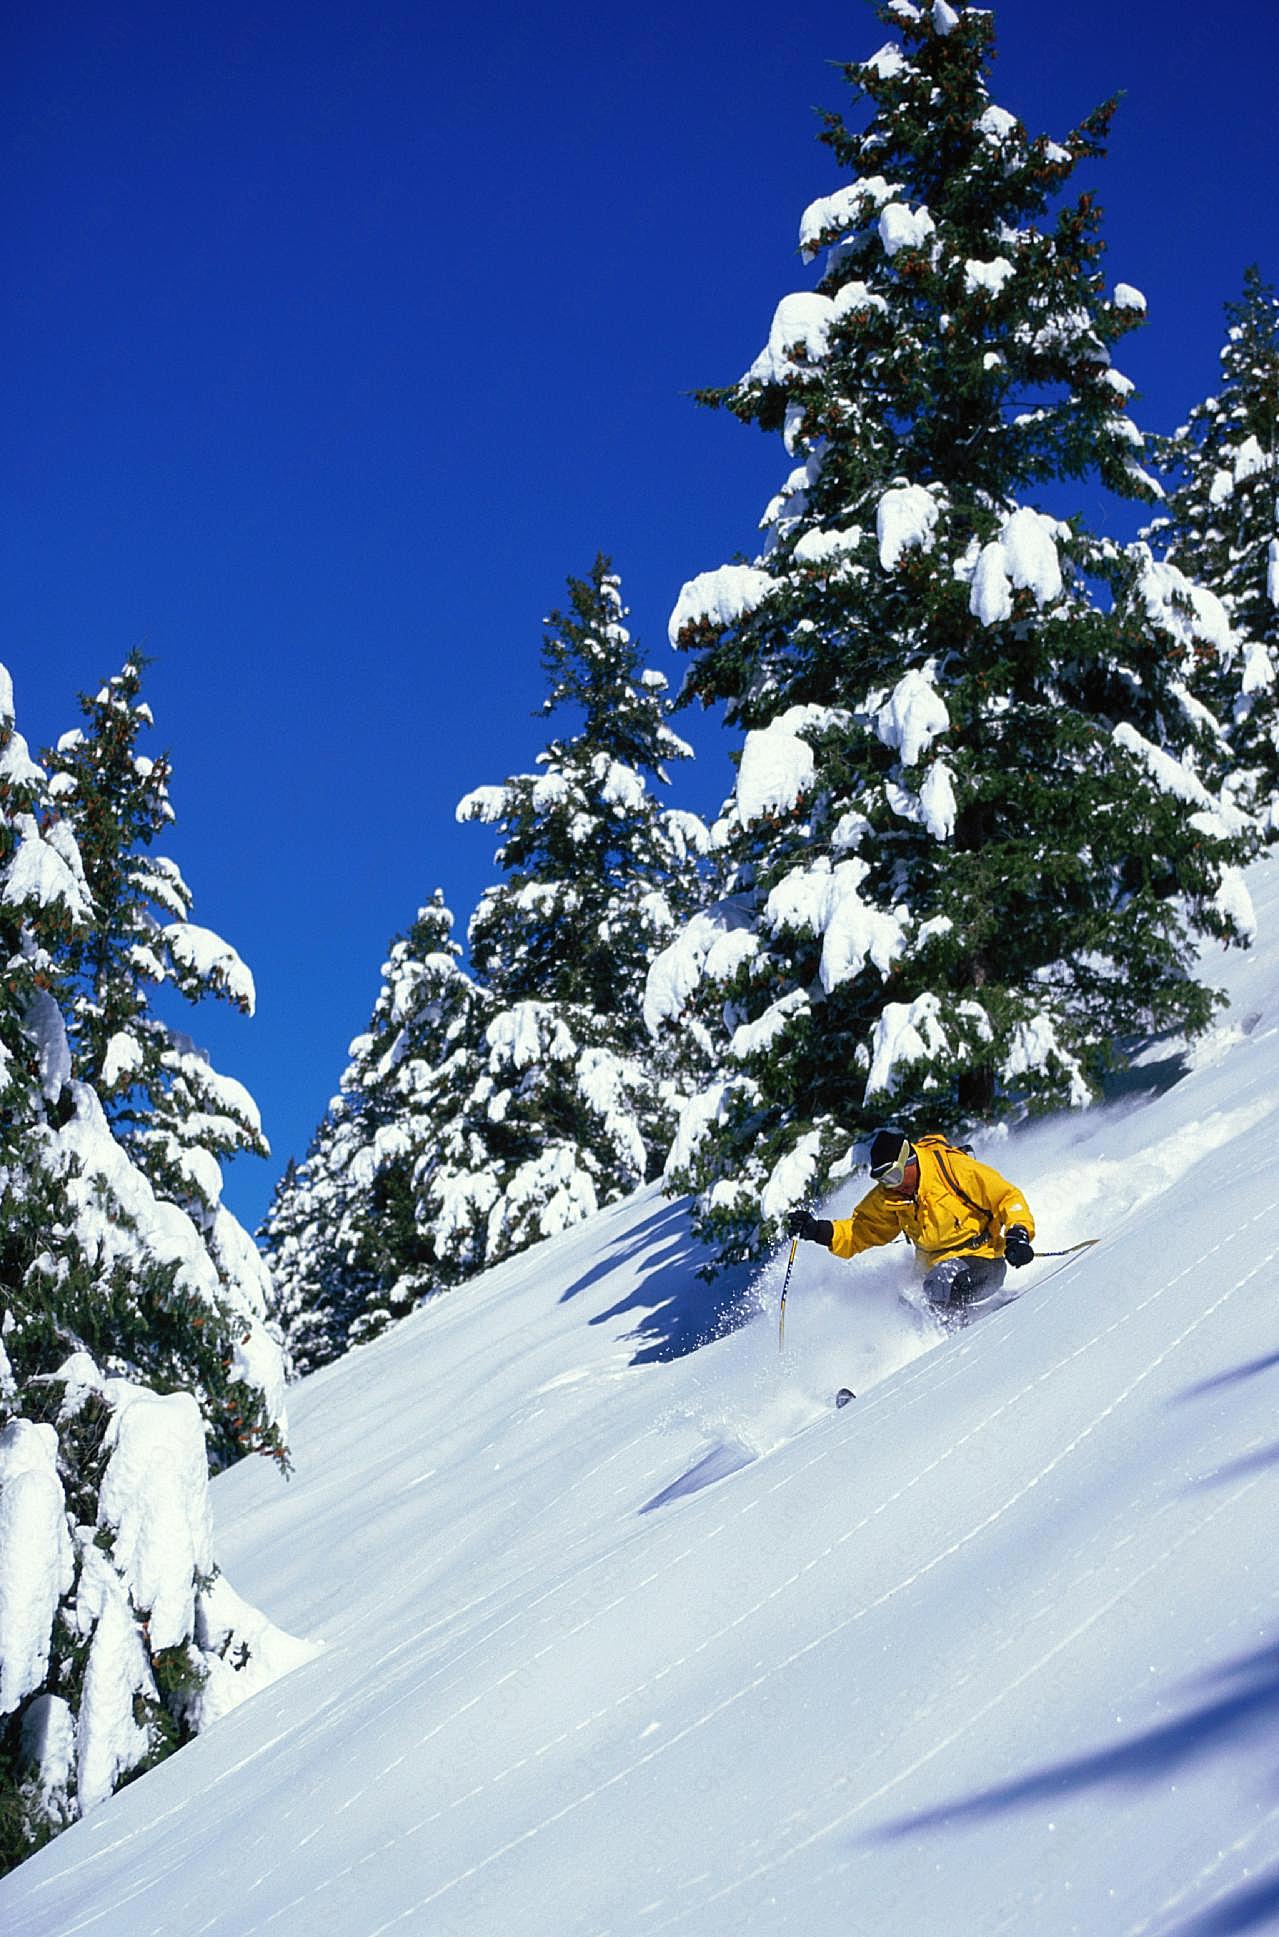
{"type": "Point", "coordinates": [1017, 1249]}
{"type": "Point", "coordinates": [802, 1224]}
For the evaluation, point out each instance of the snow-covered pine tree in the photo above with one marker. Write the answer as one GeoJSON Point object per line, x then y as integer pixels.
{"type": "Point", "coordinates": [973, 843]}
{"type": "Point", "coordinates": [409, 1070]}
{"type": "Point", "coordinates": [309, 1238]}
{"type": "Point", "coordinates": [1220, 528]}
{"type": "Point", "coordinates": [118, 1638]}
{"type": "Point", "coordinates": [572, 1107]}
{"type": "Point", "coordinates": [350, 1236]}
{"type": "Point", "coordinates": [178, 1118]}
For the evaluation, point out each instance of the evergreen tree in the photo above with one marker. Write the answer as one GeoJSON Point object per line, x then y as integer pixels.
{"type": "Point", "coordinates": [972, 833]}
{"type": "Point", "coordinates": [350, 1236]}
{"type": "Point", "coordinates": [309, 1242]}
{"type": "Point", "coordinates": [118, 1639]}
{"type": "Point", "coordinates": [1220, 527]}
{"type": "Point", "coordinates": [571, 1108]}
{"type": "Point", "coordinates": [177, 1117]}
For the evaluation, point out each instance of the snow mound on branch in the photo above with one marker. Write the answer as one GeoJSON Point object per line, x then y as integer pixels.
{"type": "Point", "coordinates": [988, 276]}
{"type": "Point", "coordinates": [1187, 612]}
{"type": "Point", "coordinates": [912, 717]}
{"type": "Point", "coordinates": [40, 876]}
{"type": "Point", "coordinates": [998, 125]}
{"type": "Point", "coordinates": [528, 1034]}
{"type": "Point", "coordinates": [154, 1494]}
{"type": "Point", "coordinates": [16, 765]}
{"type": "Point", "coordinates": [1126, 297]}
{"type": "Point", "coordinates": [482, 804]}
{"type": "Point", "coordinates": [36, 1560]}
{"type": "Point", "coordinates": [620, 786]}
{"type": "Point", "coordinates": [799, 336]}
{"type": "Point", "coordinates": [697, 1118]}
{"type": "Point", "coordinates": [142, 1227]}
{"type": "Point", "coordinates": [1258, 669]}
{"type": "Point", "coordinates": [855, 298]}
{"type": "Point", "coordinates": [776, 770]}
{"type": "Point", "coordinates": [1250, 460]}
{"type": "Point", "coordinates": [1272, 572]}
{"type": "Point", "coordinates": [1035, 1046]}
{"type": "Point", "coordinates": [905, 520]}
{"type": "Point", "coordinates": [828, 902]}
{"type": "Point", "coordinates": [547, 1195]}
{"type": "Point", "coordinates": [87, 1153]}
{"type": "Point", "coordinates": [833, 215]}
{"type": "Point", "coordinates": [792, 1177]}
{"type": "Point", "coordinates": [937, 800]}
{"type": "Point", "coordinates": [718, 600]}
{"type": "Point", "coordinates": [906, 1032]}
{"type": "Point", "coordinates": [550, 790]}
{"type": "Point", "coordinates": [109, 1740]}
{"type": "Point", "coordinates": [243, 1651]}
{"type": "Point", "coordinates": [48, 1744]}
{"type": "Point", "coordinates": [887, 63]}
{"type": "Point", "coordinates": [901, 227]}
{"type": "Point", "coordinates": [934, 807]}
{"type": "Point", "coordinates": [1233, 901]}
{"type": "Point", "coordinates": [209, 958]}
{"type": "Point", "coordinates": [710, 947]}
{"type": "Point", "coordinates": [826, 547]}
{"type": "Point", "coordinates": [1023, 556]}
{"type": "Point", "coordinates": [1215, 817]}
{"type": "Point", "coordinates": [45, 1029]}
{"type": "Point", "coordinates": [757, 1038]}
{"type": "Point", "coordinates": [123, 1059]}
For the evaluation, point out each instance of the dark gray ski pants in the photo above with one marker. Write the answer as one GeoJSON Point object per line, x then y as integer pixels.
{"type": "Point", "coordinates": [964, 1281]}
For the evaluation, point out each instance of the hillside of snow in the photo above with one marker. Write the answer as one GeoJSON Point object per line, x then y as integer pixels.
{"type": "Point", "coordinates": [626, 1633]}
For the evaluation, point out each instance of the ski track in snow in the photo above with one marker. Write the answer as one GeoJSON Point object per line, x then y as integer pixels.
{"type": "Point", "coordinates": [794, 1580]}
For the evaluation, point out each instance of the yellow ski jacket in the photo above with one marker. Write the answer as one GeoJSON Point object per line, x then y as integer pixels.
{"type": "Point", "coordinates": [960, 1206]}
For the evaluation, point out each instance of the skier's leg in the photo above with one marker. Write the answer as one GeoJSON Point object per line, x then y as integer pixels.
{"type": "Point", "coordinates": [959, 1282]}
{"type": "Point", "coordinates": [987, 1282]}
{"type": "Point", "coordinates": [948, 1283]}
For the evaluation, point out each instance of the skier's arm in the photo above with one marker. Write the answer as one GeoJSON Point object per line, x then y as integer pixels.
{"type": "Point", "coordinates": [871, 1223]}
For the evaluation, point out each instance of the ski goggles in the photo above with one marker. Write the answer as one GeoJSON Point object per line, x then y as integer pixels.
{"type": "Point", "coordinates": [892, 1173]}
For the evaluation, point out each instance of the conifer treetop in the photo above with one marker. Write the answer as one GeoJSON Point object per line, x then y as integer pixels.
{"type": "Point", "coordinates": [955, 352]}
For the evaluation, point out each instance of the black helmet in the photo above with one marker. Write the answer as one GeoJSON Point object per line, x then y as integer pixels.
{"type": "Point", "coordinates": [891, 1151]}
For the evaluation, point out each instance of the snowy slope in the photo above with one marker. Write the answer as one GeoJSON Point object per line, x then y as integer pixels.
{"type": "Point", "coordinates": [624, 1638]}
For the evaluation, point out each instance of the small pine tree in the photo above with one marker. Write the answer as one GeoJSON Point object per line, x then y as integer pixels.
{"type": "Point", "coordinates": [1220, 528]}
{"type": "Point", "coordinates": [349, 1237]}
{"type": "Point", "coordinates": [572, 1108]}
{"type": "Point", "coordinates": [318, 1288]}
{"type": "Point", "coordinates": [972, 833]}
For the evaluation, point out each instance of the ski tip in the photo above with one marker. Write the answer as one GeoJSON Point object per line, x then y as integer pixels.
{"type": "Point", "coordinates": [843, 1396]}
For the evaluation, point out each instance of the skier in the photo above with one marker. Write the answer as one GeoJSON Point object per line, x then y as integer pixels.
{"type": "Point", "coordinates": [967, 1223]}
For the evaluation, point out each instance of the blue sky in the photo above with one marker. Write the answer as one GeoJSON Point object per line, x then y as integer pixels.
{"type": "Point", "coordinates": [335, 344]}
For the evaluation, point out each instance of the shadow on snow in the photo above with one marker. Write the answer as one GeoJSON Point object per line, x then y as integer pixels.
{"type": "Point", "coordinates": [676, 1311]}
{"type": "Point", "coordinates": [1233, 1377]}
{"type": "Point", "coordinates": [1244, 1712]}
{"type": "Point", "coordinates": [1257, 1458]}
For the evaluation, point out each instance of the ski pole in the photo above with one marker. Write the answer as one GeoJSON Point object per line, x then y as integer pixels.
{"type": "Point", "coordinates": [781, 1315]}
{"type": "Point", "coordinates": [1070, 1250]}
